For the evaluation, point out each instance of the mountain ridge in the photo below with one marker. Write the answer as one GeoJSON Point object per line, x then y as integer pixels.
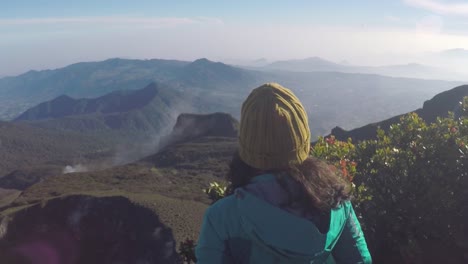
{"type": "Point", "coordinates": [438, 106]}
{"type": "Point", "coordinates": [408, 70]}
{"type": "Point", "coordinates": [215, 87]}
{"type": "Point", "coordinates": [114, 102]}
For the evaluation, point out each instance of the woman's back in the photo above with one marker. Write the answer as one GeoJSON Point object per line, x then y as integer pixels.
{"type": "Point", "coordinates": [247, 228]}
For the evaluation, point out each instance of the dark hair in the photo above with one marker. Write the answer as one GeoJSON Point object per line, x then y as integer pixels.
{"type": "Point", "coordinates": [322, 185]}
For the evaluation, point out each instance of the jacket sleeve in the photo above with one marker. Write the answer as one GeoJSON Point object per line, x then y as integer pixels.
{"type": "Point", "coordinates": [351, 246]}
{"type": "Point", "coordinates": [210, 247]}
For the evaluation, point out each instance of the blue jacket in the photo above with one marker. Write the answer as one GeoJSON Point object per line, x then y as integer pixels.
{"type": "Point", "coordinates": [249, 227]}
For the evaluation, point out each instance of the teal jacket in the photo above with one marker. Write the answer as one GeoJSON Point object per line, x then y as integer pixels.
{"type": "Point", "coordinates": [249, 227]}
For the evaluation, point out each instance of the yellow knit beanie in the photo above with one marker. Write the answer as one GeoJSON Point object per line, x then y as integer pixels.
{"type": "Point", "coordinates": [274, 131]}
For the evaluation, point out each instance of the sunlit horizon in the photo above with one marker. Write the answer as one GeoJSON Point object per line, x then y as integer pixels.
{"type": "Point", "coordinates": [53, 34]}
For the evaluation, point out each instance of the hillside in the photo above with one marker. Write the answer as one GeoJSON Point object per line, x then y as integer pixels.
{"type": "Point", "coordinates": [438, 106]}
{"type": "Point", "coordinates": [122, 116]}
{"type": "Point", "coordinates": [169, 183]}
{"type": "Point", "coordinates": [24, 146]}
{"type": "Point", "coordinates": [113, 129]}
{"type": "Point", "coordinates": [112, 103]}
{"type": "Point", "coordinates": [115, 102]}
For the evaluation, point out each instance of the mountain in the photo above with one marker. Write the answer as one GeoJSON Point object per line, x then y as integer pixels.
{"type": "Point", "coordinates": [438, 106]}
{"type": "Point", "coordinates": [125, 114]}
{"type": "Point", "coordinates": [307, 65]}
{"type": "Point", "coordinates": [115, 102]}
{"type": "Point", "coordinates": [187, 128]}
{"type": "Point", "coordinates": [247, 63]}
{"type": "Point", "coordinates": [348, 100]}
{"type": "Point", "coordinates": [93, 79]}
{"type": "Point", "coordinates": [167, 184]}
{"type": "Point", "coordinates": [411, 70]}
{"type": "Point", "coordinates": [206, 74]}
{"type": "Point", "coordinates": [192, 126]}
{"type": "Point", "coordinates": [162, 192]}
{"type": "Point", "coordinates": [59, 136]}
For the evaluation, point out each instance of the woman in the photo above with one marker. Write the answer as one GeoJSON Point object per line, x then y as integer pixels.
{"type": "Point", "coordinates": [285, 207]}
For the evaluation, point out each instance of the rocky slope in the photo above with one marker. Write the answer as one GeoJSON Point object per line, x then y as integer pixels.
{"type": "Point", "coordinates": [191, 126]}
{"type": "Point", "coordinates": [86, 229]}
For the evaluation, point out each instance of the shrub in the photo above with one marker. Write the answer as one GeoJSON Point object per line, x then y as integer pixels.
{"type": "Point", "coordinates": [417, 174]}
{"type": "Point", "coordinates": [187, 251]}
{"type": "Point", "coordinates": [215, 191]}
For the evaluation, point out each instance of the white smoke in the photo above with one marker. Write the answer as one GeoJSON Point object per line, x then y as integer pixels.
{"type": "Point", "coordinates": [75, 168]}
{"type": "Point", "coordinates": [126, 153]}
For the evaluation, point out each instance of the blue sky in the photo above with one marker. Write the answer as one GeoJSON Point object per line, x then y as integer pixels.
{"type": "Point", "coordinates": [303, 11]}
{"type": "Point", "coordinates": [42, 34]}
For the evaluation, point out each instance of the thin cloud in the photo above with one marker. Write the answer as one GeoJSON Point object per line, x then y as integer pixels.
{"type": "Point", "coordinates": [109, 20]}
{"type": "Point", "coordinates": [393, 18]}
{"type": "Point", "coordinates": [458, 8]}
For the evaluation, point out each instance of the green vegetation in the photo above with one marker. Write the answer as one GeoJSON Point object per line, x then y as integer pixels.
{"type": "Point", "coordinates": [25, 147]}
{"type": "Point", "coordinates": [187, 251]}
{"type": "Point", "coordinates": [417, 174]}
{"type": "Point", "coordinates": [215, 191]}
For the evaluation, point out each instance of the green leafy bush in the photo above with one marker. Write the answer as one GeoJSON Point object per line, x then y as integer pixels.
{"type": "Point", "coordinates": [417, 174]}
{"type": "Point", "coordinates": [343, 156]}
{"type": "Point", "coordinates": [215, 191]}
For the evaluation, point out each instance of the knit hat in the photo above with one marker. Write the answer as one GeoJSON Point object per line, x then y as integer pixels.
{"type": "Point", "coordinates": [274, 130]}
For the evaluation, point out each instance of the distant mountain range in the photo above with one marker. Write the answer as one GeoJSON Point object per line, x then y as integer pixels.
{"type": "Point", "coordinates": [92, 79]}
{"type": "Point", "coordinates": [411, 70]}
{"type": "Point", "coordinates": [438, 106]}
{"type": "Point", "coordinates": [348, 100]}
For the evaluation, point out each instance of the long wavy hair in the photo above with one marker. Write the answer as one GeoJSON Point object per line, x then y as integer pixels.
{"type": "Point", "coordinates": [322, 186]}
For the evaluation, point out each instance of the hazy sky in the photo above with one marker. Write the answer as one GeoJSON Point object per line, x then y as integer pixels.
{"type": "Point", "coordinates": [42, 34]}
